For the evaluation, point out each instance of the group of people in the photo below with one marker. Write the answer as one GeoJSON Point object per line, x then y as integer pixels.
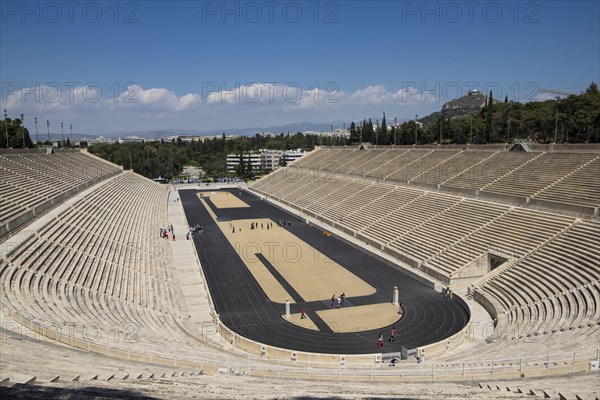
{"type": "Point", "coordinates": [392, 339]}
{"type": "Point", "coordinates": [262, 225]}
{"type": "Point", "coordinates": [394, 331]}
{"type": "Point", "coordinates": [338, 301]}
{"type": "Point", "coordinates": [254, 225]}
{"type": "Point", "coordinates": [193, 229]}
{"type": "Point", "coordinates": [164, 232]}
{"type": "Point", "coordinates": [447, 293]}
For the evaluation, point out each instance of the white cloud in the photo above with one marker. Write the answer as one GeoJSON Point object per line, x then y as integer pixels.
{"type": "Point", "coordinates": [543, 96]}
{"type": "Point", "coordinates": [188, 102]}
{"type": "Point", "coordinates": [378, 94]}
{"type": "Point", "coordinates": [368, 95]}
{"type": "Point", "coordinates": [92, 106]}
{"type": "Point", "coordinates": [154, 99]}
{"type": "Point", "coordinates": [287, 96]}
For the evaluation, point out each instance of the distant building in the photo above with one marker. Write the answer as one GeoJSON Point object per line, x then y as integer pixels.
{"type": "Point", "coordinates": [252, 159]}
{"type": "Point", "coordinates": [195, 138]}
{"type": "Point", "coordinates": [264, 160]}
{"type": "Point", "coordinates": [192, 138]}
{"type": "Point", "coordinates": [131, 139]}
{"type": "Point", "coordinates": [292, 155]}
{"type": "Point", "coordinates": [270, 159]}
{"type": "Point", "coordinates": [273, 159]}
{"type": "Point", "coordinates": [99, 139]}
{"type": "Point", "coordinates": [337, 132]}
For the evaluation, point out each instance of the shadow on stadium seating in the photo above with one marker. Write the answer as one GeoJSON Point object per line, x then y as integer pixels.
{"type": "Point", "coordinates": [343, 398]}
{"type": "Point", "coordinates": [24, 392]}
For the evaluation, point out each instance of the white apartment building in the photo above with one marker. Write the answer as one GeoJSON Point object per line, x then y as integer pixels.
{"type": "Point", "coordinates": [255, 160]}
{"type": "Point", "coordinates": [292, 155]}
{"type": "Point", "coordinates": [264, 160]}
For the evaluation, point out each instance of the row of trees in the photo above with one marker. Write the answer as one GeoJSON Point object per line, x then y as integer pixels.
{"type": "Point", "coordinates": [166, 159]}
{"type": "Point", "coordinates": [575, 119]}
{"type": "Point", "coordinates": [14, 134]}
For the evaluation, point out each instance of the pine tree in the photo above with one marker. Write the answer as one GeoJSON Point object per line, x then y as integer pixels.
{"type": "Point", "coordinates": [370, 132]}
{"type": "Point", "coordinates": [364, 131]}
{"type": "Point", "coordinates": [354, 134]}
{"type": "Point", "coordinates": [383, 133]}
{"type": "Point", "coordinates": [249, 170]}
{"type": "Point", "coordinates": [241, 167]}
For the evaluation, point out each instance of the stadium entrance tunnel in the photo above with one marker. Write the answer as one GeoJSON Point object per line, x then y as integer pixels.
{"type": "Point", "coordinates": [495, 261]}
{"type": "Point", "coordinates": [490, 260]}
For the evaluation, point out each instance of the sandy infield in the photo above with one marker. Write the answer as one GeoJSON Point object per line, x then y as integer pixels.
{"type": "Point", "coordinates": [304, 323]}
{"type": "Point", "coordinates": [360, 318]}
{"type": "Point", "coordinates": [225, 200]}
{"type": "Point", "coordinates": [306, 269]}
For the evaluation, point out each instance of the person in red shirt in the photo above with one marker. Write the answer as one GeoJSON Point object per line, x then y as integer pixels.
{"type": "Point", "coordinates": [393, 334]}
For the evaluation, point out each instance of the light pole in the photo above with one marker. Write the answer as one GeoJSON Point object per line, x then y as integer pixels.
{"type": "Point", "coordinates": [441, 124]}
{"type": "Point", "coordinates": [62, 133]}
{"type": "Point", "coordinates": [331, 136]}
{"type": "Point", "coordinates": [508, 133]}
{"type": "Point", "coordinates": [416, 127]}
{"type": "Point", "coordinates": [48, 126]}
{"type": "Point", "coordinates": [361, 129]}
{"type": "Point", "coordinates": [36, 130]}
{"type": "Point", "coordinates": [556, 121]}
{"type": "Point", "coordinates": [23, 128]}
{"type": "Point", "coordinates": [71, 132]}
{"type": "Point", "coordinates": [471, 130]}
{"type": "Point", "coordinates": [6, 126]}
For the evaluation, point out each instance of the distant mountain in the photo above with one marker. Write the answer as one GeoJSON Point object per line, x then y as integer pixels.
{"type": "Point", "coordinates": [291, 128]}
{"type": "Point", "coordinates": [298, 127]}
{"type": "Point", "coordinates": [463, 106]}
{"type": "Point", "coordinates": [58, 137]}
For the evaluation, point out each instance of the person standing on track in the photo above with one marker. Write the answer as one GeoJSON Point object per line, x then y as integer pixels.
{"type": "Point", "coordinates": [393, 334]}
{"type": "Point", "coordinates": [380, 341]}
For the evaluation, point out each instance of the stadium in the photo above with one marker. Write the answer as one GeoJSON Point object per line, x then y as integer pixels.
{"type": "Point", "coordinates": [483, 259]}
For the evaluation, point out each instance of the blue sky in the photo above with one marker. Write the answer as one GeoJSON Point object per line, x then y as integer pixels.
{"type": "Point", "coordinates": [141, 65]}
